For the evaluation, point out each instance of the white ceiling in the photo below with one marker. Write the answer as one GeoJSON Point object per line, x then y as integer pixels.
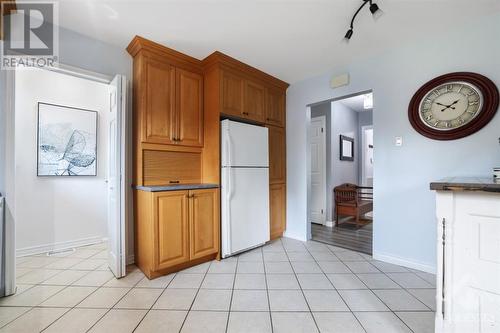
{"type": "Point", "coordinates": [291, 39]}
{"type": "Point", "coordinates": [355, 103]}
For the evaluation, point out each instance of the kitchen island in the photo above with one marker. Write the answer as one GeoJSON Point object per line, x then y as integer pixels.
{"type": "Point", "coordinates": [468, 255]}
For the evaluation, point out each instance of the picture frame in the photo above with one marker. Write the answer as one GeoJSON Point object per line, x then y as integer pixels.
{"type": "Point", "coordinates": [346, 148]}
{"type": "Point", "coordinates": [66, 141]}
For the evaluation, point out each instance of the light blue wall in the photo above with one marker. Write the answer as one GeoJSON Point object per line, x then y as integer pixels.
{"type": "Point", "coordinates": [405, 226]}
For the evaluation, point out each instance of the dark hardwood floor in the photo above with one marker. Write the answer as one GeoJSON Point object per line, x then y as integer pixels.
{"type": "Point", "coordinates": [345, 235]}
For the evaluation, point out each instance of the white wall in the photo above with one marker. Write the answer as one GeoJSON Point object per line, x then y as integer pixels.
{"type": "Point", "coordinates": [52, 211]}
{"type": "Point", "coordinates": [344, 122]}
{"type": "Point", "coordinates": [404, 222]}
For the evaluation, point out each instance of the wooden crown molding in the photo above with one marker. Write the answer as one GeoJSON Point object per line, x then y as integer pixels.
{"type": "Point", "coordinates": [139, 44]}
{"type": "Point", "coordinates": [218, 58]}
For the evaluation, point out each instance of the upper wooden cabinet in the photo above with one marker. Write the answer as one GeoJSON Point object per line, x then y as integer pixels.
{"type": "Point", "coordinates": [275, 107]}
{"type": "Point", "coordinates": [243, 92]}
{"type": "Point", "coordinates": [159, 100]}
{"type": "Point", "coordinates": [277, 155]}
{"type": "Point", "coordinates": [232, 94]}
{"type": "Point", "coordinates": [189, 107]}
{"type": "Point", "coordinates": [254, 101]}
{"type": "Point", "coordinates": [168, 95]}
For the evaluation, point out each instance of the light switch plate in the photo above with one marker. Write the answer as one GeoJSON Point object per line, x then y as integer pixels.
{"type": "Point", "coordinates": [398, 141]}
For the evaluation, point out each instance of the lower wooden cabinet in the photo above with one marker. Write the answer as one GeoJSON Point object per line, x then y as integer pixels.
{"type": "Point", "coordinates": [175, 229]}
{"type": "Point", "coordinates": [277, 206]}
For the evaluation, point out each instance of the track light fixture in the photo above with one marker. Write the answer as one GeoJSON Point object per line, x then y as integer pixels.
{"type": "Point", "coordinates": [374, 9]}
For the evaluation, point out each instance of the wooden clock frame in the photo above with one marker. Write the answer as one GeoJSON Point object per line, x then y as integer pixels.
{"type": "Point", "coordinates": [490, 106]}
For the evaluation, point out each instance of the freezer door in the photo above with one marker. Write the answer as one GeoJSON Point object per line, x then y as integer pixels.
{"type": "Point", "coordinates": [245, 208]}
{"type": "Point", "coordinates": [244, 145]}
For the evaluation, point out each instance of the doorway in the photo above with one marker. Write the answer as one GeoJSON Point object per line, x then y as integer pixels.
{"type": "Point", "coordinates": [348, 123]}
{"type": "Point", "coordinates": [67, 197]}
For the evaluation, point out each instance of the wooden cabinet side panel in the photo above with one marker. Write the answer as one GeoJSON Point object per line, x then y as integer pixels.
{"type": "Point", "coordinates": [189, 107]}
{"type": "Point", "coordinates": [171, 228]}
{"type": "Point", "coordinates": [211, 148]}
{"type": "Point", "coordinates": [143, 233]}
{"type": "Point", "coordinates": [204, 223]}
{"type": "Point", "coordinates": [138, 101]}
{"type": "Point", "coordinates": [277, 204]}
{"type": "Point", "coordinates": [277, 155]}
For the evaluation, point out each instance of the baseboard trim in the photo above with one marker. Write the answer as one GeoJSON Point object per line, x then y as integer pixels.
{"type": "Point", "coordinates": [404, 262]}
{"type": "Point", "coordinates": [294, 236]}
{"type": "Point", "coordinates": [32, 250]}
{"type": "Point", "coordinates": [329, 224]}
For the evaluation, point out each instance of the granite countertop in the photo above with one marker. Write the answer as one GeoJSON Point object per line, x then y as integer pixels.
{"type": "Point", "coordinates": [175, 187]}
{"type": "Point", "coordinates": [466, 184]}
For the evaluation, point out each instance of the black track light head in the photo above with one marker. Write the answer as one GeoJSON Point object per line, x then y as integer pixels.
{"type": "Point", "coordinates": [348, 34]}
{"type": "Point", "coordinates": [374, 8]}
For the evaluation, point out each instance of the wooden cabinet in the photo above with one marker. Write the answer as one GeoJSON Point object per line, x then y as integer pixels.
{"type": "Point", "coordinates": [175, 229]}
{"type": "Point", "coordinates": [277, 155]}
{"type": "Point", "coordinates": [277, 207]}
{"type": "Point", "coordinates": [158, 94]}
{"type": "Point", "coordinates": [189, 108]}
{"type": "Point", "coordinates": [254, 101]}
{"type": "Point", "coordinates": [232, 94]}
{"type": "Point", "coordinates": [204, 226]}
{"type": "Point", "coordinates": [275, 107]}
{"type": "Point", "coordinates": [171, 236]}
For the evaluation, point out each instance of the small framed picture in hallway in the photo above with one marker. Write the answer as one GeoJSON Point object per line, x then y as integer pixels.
{"type": "Point", "coordinates": [346, 148]}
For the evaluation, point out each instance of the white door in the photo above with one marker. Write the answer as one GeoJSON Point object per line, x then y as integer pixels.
{"type": "Point", "coordinates": [244, 145]}
{"type": "Point", "coordinates": [317, 139]}
{"type": "Point", "coordinates": [116, 176]}
{"type": "Point", "coordinates": [367, 168]}
{"type": "Point", "coordinates": [245, 208]}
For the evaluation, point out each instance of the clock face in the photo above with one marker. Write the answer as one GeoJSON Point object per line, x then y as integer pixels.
{"type": "Point", "coordinates": [451, 105]}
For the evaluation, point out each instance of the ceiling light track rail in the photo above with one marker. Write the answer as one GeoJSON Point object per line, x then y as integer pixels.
{"type": "Point", "coordinates": [374, 9]}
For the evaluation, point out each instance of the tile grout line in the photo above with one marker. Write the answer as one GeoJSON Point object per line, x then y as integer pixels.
{"type": "Point", "coordinates": [196, 295]}
{"type": "Point", "coordinates": [335, 288]}
{"type": "Point", "coordinates": [267, 288]}
{"type": "Point", "coordinates": [152, 304]}
{"type": "Point", "coordinates": [300, 286]}
{"type": "Point", "coordinates": [232, 293]}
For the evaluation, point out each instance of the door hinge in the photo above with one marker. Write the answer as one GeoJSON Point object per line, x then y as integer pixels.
{"type": "Point", "coordinates": [322, 212]}
{"type": "Point", "coordinates": [321, 129]}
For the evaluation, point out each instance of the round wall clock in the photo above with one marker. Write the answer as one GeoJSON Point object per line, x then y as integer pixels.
{"type": "Point", "coordinates": [453, 105]}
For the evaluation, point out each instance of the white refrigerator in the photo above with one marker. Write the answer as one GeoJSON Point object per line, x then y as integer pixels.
{"type": "Point", "coordinates": [245, 187]}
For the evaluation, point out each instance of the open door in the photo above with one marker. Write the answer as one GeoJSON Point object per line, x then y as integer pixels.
{"type": "Point", "coordinates": [116, 176]}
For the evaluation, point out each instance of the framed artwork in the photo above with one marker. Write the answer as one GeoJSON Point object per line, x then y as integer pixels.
{"type": "Point", "coordinates": [346, 148]}
{"type": "Point", "coordinates": [67, 141]}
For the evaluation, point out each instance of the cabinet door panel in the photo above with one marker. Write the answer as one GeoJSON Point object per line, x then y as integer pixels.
{"type": "Point", "coordinates": [171, 229]}
{"type": "Point", "coordinates": [255, 102]}
{"type": "Point", "coordinates": [277, 155]}
{"type": "Point", "coordinates": [189, 102]}
{"type": "Point", "coordinates": [275, 107]}
{"type": "Point", "coordinates": [232, 94]}
{"type": "Point", "coordinates": [159, 91]}
{"type": "Point", "coordinates": [204, 223]}
{"type": "Point", "coordinates": [277, 205]}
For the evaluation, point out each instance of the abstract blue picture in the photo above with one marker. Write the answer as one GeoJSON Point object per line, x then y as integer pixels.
{"type": "Point", "coordinates": [67, 141]}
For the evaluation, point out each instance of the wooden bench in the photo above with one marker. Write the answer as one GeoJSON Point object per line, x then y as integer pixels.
{"type": "Point", "coordinates": [353, 200]}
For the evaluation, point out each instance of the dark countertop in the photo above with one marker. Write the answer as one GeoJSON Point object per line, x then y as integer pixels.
{"type": "Point", "coordinates": [176, 187]}
{"type": "Point", "coordinates": [466, 184]}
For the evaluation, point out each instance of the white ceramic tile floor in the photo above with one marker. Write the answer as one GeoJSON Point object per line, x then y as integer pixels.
{"type": "Point", "coordinates": [284, 286]}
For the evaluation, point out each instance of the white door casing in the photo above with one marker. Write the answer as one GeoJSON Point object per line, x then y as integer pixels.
{"type": "Point", "coordinates": [116, 176]}
{"type": "Point", "coordinates": [367, 156]}
{"type": "Point", "coordinates": [317, 140]}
